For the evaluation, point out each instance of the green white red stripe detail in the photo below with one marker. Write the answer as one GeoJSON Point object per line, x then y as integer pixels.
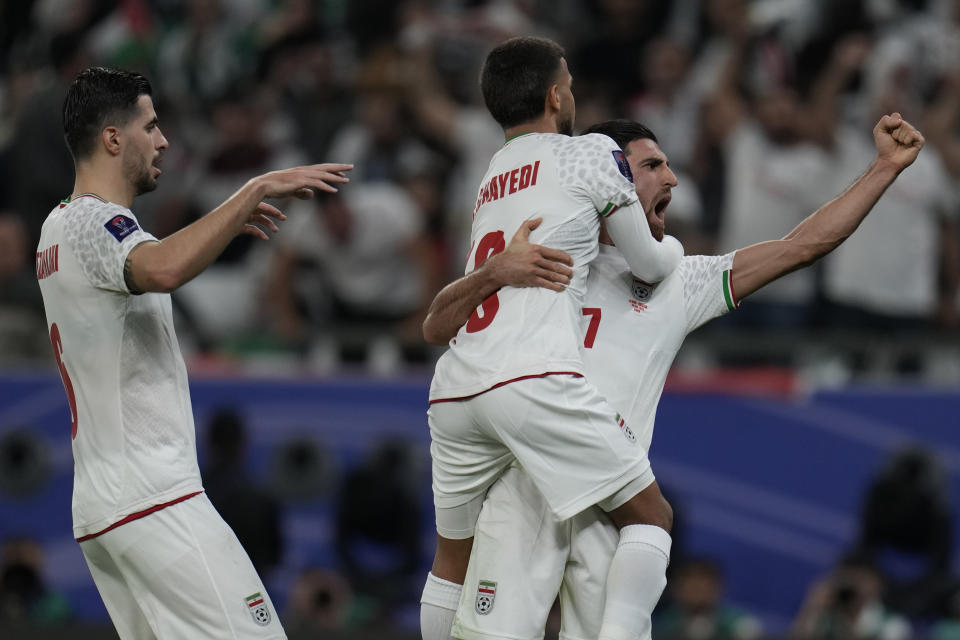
{"type": "Point", "coordinates": [67, 201]}
{"type": "Point", "coordinates": [487, 587]}
{"type": "Point", "coordinates": [728, 294]}
{"type": "Point", "coordinates": [254, 600]}
{"type": "Point", "coordinates": [607, 210]}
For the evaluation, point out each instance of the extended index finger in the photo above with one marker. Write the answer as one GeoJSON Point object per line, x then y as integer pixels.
{"type": "Point", "coordinates": [334, 167]}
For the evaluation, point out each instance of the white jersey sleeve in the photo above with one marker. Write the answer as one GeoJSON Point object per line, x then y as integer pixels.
{"type": "Point", "coordinates": [593, 167]}
{"type": "Point", "coordinates": [101, 242]}
{"type": "Point", "coordinates": [707, 288]}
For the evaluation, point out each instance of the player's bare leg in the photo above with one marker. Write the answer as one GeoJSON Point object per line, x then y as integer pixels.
{"type": "Point", "coordinates": [450, 561]}
{"type": "Point", "coordinates": [441, 593]}
{"type": "Point", "coordinates": [647, 507]}
{"type": "Point", "coordinates": [637, 574]}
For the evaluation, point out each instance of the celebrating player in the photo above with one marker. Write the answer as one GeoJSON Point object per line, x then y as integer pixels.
{"type": "Point", "coordinates": [511, 385]}
{"type": "Point", "coordinates": [522, 556]}
{"type": "Point", "coordinates": [165, 563]}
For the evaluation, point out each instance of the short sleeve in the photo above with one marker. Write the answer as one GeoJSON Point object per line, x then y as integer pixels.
{"type": "Point", "coordinates": [593, 167]}
{"type": "Point", "coordinates": [707, 288]}
{"type": "Point", "coordinates": [101, 237]}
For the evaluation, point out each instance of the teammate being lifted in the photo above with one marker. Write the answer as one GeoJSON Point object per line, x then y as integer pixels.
{"type": "Point", "coordinates": [511, 385]}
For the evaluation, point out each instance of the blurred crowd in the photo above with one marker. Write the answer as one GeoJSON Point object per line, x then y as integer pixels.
{"type": "Point", "coordinates": [764, 107]}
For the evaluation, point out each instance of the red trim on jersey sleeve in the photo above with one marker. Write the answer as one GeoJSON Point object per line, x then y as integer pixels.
{"type": "Point", "coordinates": [138, 515]}
{"type": "Point", "coordinates": [500, 384]}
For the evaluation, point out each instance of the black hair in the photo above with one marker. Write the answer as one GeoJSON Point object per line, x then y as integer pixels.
{"type": "Point", "coordinates": [623, 131]}
{"type": "Point", "coordinates": [99, 97]}
{"type": "Point", "coordinates": [516, 77]}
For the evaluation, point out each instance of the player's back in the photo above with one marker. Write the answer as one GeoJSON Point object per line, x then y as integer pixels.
{"type": "Point", "coordinates": [524, 332]}
{"type": "Point", "coordinates": [132, 425]}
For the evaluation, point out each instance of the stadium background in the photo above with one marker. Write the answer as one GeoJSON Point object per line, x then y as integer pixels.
{"type": "Point", "coordinates": [817, 421]}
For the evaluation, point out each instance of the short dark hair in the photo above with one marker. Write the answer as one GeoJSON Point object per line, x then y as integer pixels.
{"type": "Point", "coordinates": [99, 97]}
{"type": "Point", "coordinates": [623, 131]}
{"type": "Point", "coordinates": [516, 76]}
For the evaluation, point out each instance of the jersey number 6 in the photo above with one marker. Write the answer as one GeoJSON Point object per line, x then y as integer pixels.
{"type": "Point", "coordinates": [489, 245]}
{"type": "Point", "coordinates": [71, 397]}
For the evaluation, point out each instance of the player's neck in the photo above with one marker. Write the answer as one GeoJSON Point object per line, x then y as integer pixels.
{"type": "Point", "coordinates": [544, 124]}
{"type": "Point", "coordinates": [107, 184]}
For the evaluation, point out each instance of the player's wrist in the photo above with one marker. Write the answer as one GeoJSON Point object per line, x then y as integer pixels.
{"type": "Point", "coordinates": [886, 167]}
{"type": "Point", "coordinates": [256, 189]}
{"type": "Point", "coordinates": [492, 275]}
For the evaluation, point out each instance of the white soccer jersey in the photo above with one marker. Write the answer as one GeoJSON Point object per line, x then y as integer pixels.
{"type": "Point", "coordinates": [522, 554]}
{"type": "Point", "coordinates": [524, 332]}
{"type": "Point", "coordinates": [632, 331]}
{"type": "Point", "coordinates": [134, 445]}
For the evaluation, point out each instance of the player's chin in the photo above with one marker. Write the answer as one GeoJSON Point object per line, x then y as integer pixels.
{"type": "Point", "coordinates": [146, 185]}
{"type": "Point", "coordinates": [657, 226]}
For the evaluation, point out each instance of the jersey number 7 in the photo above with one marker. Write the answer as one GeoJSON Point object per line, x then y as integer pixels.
{"type": "Point", "coordinates": [594, 313]}
{"type": "Point", "coordinates": [489, 245]}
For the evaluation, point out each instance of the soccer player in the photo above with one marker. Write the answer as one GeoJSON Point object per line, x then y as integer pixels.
{"type": "Point", "coordinates": [522, 555]}
{"type": "Point", "coordinates": [511, 384]}
{"type": "Point", "coordinates": [165, 563]}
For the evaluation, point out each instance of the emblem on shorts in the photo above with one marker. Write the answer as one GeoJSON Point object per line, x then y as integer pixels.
{"type": "Point", "coordinates": [627, 431]}
{"type": "Point", "coordinates": [485, 593]}
{"type": "Point", "coordinates": [257, 605]}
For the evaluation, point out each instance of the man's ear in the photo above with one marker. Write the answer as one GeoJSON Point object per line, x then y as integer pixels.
{"type": "Point", "coordinates": [552, 101]}
{"type": "Point", "coordinates": [110, 139]}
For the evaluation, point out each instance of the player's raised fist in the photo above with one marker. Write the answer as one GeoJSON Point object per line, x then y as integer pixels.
{"type": "Point", "coordinates": [898, 142]}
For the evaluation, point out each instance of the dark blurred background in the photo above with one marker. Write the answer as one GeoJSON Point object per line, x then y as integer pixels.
{"type": "Point", "coordinates": [809, 441]}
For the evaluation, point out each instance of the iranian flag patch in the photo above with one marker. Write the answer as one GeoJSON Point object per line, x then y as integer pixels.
{"type": "Point", "coordinates": [257, 605]}
{"type": "Point", "coordinates": [485, 594]}
{"type": "Point", "coordinates": [627, 431]}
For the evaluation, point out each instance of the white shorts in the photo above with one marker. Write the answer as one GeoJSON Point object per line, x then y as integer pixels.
{"type": "Point", "coordinates": [180, 573]}
{"type": "Point", "coordinates": [523, 556]}
{"type": "Point", "coordinates": [573, 445]}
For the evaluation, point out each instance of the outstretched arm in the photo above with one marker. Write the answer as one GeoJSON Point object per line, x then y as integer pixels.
{"type": "Point", "coordinates": [898, 144]}
{"type": "Point", "coordinates": [177, 259]}
{"type": "Point", "coordinates": [521, 264]}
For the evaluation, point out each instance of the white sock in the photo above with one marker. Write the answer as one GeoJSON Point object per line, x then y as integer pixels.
{"type": "Point", "coordinates": [438, 606]}
{"type": "Point", "coordinates": [635, 581]}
